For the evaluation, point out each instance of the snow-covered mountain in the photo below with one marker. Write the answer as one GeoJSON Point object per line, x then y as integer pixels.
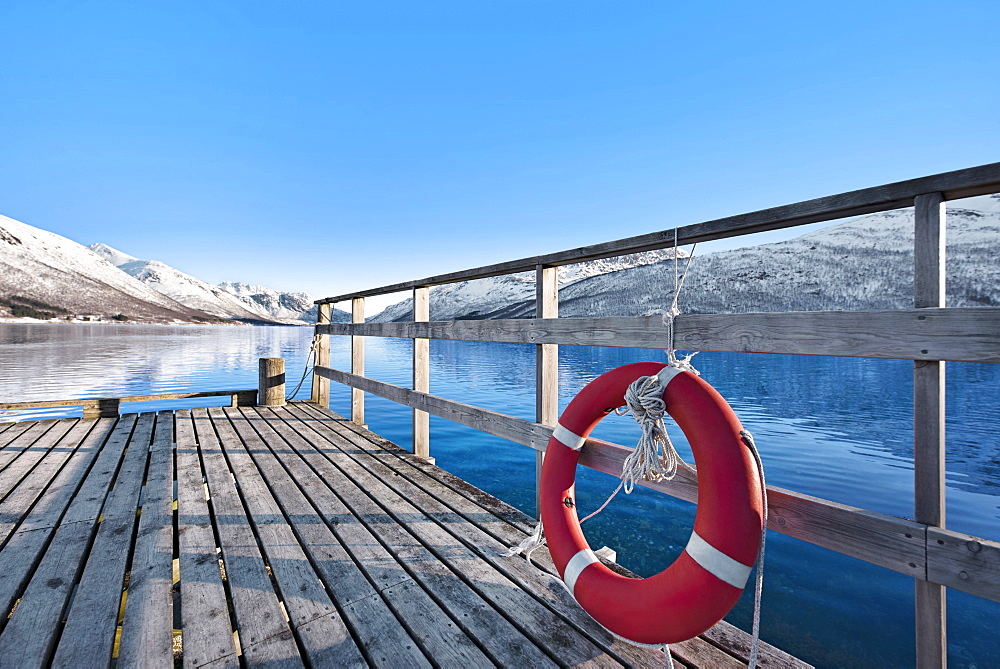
{"type": "Point", "coordinates": [239, 301]}
{"type": "Point", "coordinates": [43, 271]}
{"type": "Point", "coordinates": [501, 296]}
{"type": "Point", "coordinates": [177, 285]}
{"type": "Point", "coordinates": [276, 304]}
{"type": "Point", "coordinates": [862, 263]}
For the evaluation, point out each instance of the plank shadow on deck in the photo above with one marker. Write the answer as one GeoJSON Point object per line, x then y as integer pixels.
{"type": "Point", "coordinates": [281, 537]}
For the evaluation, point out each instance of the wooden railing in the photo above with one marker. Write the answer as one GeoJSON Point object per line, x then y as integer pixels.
{"type": "Point", "coordinates": [108, 407]}
{"type": "Point", "coordinates": [928, 334]}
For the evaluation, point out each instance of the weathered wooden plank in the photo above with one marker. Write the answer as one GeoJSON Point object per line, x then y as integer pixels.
{"type": "Point", "coordinates": [513, 530]}
{"type": "Point", "coordinates": [49, 507]}
{"type": "Point", "coordinates": [738, 643]}
{"type": "Point", "coordinates": [964, 562]}
{"type": "Point", "coordinates": [32, 456]}
{"type": "Point", "coordinates": [24, 442]}
{"type": "Point", "coordinates": [320, 392]}
{"type": "Point", "coordinates": [147, 626]}
{"type": "Point", "coordinates": [565, 633]}
{"type": "Point", "coordinates": [304, 598]}
{"type": "Point", "coordinates": [207, 634]}
{"type": "Point", "coordinates": [413, 614]}
{"type": "Point", "coordinates": [376, 627]}
{"type": "Point", "coordinates": [688, 490]}
{"type": "Point", "coordinates": [421, 373]}
{"type": "Point", "coordinates": [131, 398]}
{"type": "Point", "coordinates": [264, 636]}
{"type": "Point", "coordinates": [966, 334]}
{"type": "Point", "coordinates": [25, 548]}
{"type": "Point", "coordinates": [953, 185]}
{"type": "Point", "coordinates": [699, 653]}
{"type": "Point", "coordinates": [468, 611]}
{"type": "Point", "coordinates": [91, 621]}
{"type": "Point", "coordinates": [13, 430]}
{"type": "Point", "coordinates": [929, 424]}
{"type": "Point", "coordinates": [19, 503]}
{"type": "Point", "coordinates": [491, 422]}
{"type": "Point", "coordinates": [723, 635]}
{"type": "Point", "coordinates": [30, 632]}
{"type": "Point", "coordinates": [358, 362]}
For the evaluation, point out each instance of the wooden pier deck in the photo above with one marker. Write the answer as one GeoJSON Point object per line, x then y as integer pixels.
{"type": "Point", "coordinates": [283, 536]}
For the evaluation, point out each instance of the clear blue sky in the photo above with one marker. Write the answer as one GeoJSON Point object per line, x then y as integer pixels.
{"type": "Point", "coordinates": [332, 146]}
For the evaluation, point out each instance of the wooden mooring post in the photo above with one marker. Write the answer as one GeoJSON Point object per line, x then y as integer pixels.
{"type": "Point", "coordinates": [271, 388]}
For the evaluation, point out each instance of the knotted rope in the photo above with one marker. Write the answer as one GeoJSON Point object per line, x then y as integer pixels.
{"type": "Point", "coordinates": [654, 457]}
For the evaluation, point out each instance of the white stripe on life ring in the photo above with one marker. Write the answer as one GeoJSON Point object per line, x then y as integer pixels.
{"type": "Point", "coordinates": [575, 567]}
{"type": "Point", "coordinates": [667, 374]}
{"type": "Point", "coordinates": [569, 439]}
{"type": "Point", "coordinates": [717, 563]}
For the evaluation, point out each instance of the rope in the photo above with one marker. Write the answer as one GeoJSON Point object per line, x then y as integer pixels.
{"type": "Point", "coordinates": [305, 372]}
{"type": "Point", "coordinates": [673, 312]}
{"type": "Point", "coordinates": [759, 579]}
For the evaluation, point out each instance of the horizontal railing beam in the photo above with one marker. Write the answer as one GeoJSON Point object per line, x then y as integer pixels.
{"type": "Point", "coordinates": [966, 334]}
{"type": "Point", "coordinates": [952, 185]}
{"type": "Point", "coordinates": [902, 545]}
{"type": "Point", "coordinates": [42, 404]}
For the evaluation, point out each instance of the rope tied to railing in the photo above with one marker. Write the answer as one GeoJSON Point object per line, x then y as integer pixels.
{"type": "Point", "coordinates": [313, 348]}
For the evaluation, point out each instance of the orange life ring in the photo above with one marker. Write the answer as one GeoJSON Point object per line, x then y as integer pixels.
{"type": "Point", "coordinates": [704, 582]}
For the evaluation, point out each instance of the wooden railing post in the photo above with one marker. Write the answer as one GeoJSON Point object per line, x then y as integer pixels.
{"type": "Point", "coordinates": [421, 374]}
{"type": "Point", "coordinates": [358, 361]}
{"type": "Point", "coordinates": [271, 387]}
{"type": "Point", "coordinates": [928, 424]}
{"type": "Point", "coordinates": [321, 387]}
{"type": "Point", "coordinates": [320, 393]}
{"type": "Point", "coordinates": [546, 364]}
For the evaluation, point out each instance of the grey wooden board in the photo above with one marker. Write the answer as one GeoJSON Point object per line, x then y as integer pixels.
{"type": "Point", "coordinates": [49, 507]}
{"type": "Point", "coordinates": [91, 621]}
{"type": "Point", "coordinates": [969, 334]}
{"type": "Point", "coordinates": [517, 525]}
{"type": "Point", "coordinates": [27, 445]}
{"type": "Point", "coordinates": [419, 615]}
{"type": "Point", "coordinates": [12, 430]}
{"type": "Point", "coordinates": [16, 471]}
{"type": "Point", "coordinates": [205, 625]}
{"type": "Point", "coordinates": [130, 398]}
{"type": "Point", "coordinates": [340, 549]}
{"type": "Point", "coordinates": [20, 501]}
{"type": "Point", "coordinates": [303, 595]}
{"type": "Point", "coordinates": [147, 625]}
{"type": "Point", "coordinates": [21, 554]}
{"type": "Point", "coordinates": [467, 609]}
{"type": "Point", "coordinates": [384, 541]}
{"type": "Point", "coordinates": [33, 627]}
{"type": "Point", "coordinates": [31, 630]}
{"type": "Point", "coordinates": [468, 550]}
{"type": "Point", "coordinates": [953, 185]}
{"type": "Point", "coordinates": [264, 635]}
{"type": "Point", "coordinates": [964, 562]}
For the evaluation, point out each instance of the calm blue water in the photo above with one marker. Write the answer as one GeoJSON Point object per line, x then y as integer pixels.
{"type": "Point", "coordinates": [835, 428]}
